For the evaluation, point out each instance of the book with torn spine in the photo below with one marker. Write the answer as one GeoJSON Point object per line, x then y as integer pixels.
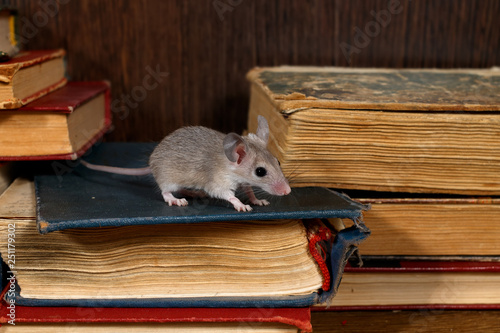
{"type": "Point", "coordinates": [60, 125]}
{"type": "Point", "coordinates": [74, 319]}
{"type": "Point", "coordinates": [395, 130]}
{"type": "Point", "coordinates": [217, 264]}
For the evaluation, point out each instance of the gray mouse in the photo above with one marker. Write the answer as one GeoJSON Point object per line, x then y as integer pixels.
{"type": "Point", "coordinates": [201, 159]}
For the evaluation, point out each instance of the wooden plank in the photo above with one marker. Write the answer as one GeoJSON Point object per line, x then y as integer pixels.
{"type": "Point", "coordinates": [207, 58]}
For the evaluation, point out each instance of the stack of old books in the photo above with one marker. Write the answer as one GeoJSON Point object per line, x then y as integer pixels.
{"type": "Point", "coordinates": [42, 116]}
{"type": "Point", "coordinates": [97, 252]}
{"type": "Point", "coordinates": [83, 250]}
{"type": "Point", "coordinates": [422, 147]}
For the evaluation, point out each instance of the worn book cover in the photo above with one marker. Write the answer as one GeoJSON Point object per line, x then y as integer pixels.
{"type": "Point", "coordinates": [395, 130]}
{"type": "Point", "coordinates": [217, 264]}
{"type": "Point", "coordinates": [95, 198]}
{"type": "Point", "coordinates": [140, 319]}
{"type": "Point", "coordinates": [29, 76]}
{"type": "Point", "coordinates": [69, 120]}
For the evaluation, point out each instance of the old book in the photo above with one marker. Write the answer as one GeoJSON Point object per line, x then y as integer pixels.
{"type": "Point", "coordinates": [424, 319]}
{"type": "Point", "coordinates": [220, 264]}
{"type": "Point", "coordinates": [114, 200]}
{"type": "Point", "coordinates": [428, 131]}
{"type": "Point", "coordinates": [459, 227]}
{"type": "Point", "coordinates": [61, 125]}
{"type": "Point", "coordinates": [419, 284]}
{"type": "Point", "coordinates": [29, 76]}
{"type": "Point", "coordinates": [74, 319]}
{"type": "Point", "coordinates": [8, 38]}
{"type": "Point", "coordinates": [185, 327]}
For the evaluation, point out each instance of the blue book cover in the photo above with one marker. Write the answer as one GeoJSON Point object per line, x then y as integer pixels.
{"type": "Point", "coordinates": [94, 198]}
{"type": "Point", "coordinates": [86, 199]}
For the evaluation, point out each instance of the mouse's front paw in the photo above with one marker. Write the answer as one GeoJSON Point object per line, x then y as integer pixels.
{"type": "Point", "coordinates": [243, 208]}
{"type": "Point", "coordinates": [239, 206]}
{"type": "Point", "coordinates": [258, 202]}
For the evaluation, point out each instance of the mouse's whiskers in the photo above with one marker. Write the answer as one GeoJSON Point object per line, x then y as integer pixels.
{"type": "Point", "coordinates": [291, 174]}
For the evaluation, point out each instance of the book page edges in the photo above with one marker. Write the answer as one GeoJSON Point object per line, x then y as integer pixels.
{"type": "Point", "coordinates": [79, 149]}
{"type": "Point", "coordinates": [17, 103]}
{"type": "Point", "coordinates": [68, 156]}
{"type": "Point", "coordinates": [8, 70]}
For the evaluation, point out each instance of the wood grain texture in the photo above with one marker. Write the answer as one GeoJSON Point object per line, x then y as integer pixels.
{"type": "Point", "coordinates": [426, 320]}
{"type": "Point", "coordinates": [206, 52]}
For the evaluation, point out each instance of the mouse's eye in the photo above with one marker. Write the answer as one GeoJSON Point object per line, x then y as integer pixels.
{"type": "Point", "coordinates": [260, 172]}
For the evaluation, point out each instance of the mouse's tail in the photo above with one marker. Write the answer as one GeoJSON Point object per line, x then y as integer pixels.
{"type": "Point", "coordinates": [117, 170]}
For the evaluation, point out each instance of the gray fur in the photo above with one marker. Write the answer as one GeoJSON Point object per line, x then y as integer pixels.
{"type": "Point", "coordinates": [198, 158]}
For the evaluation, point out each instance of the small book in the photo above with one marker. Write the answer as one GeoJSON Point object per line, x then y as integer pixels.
{"type": "Point", "coordinates": [60, 125]}
{"type": "Point", "coordinates": [394, 130]}
{"type": "Point", "coordinates": [8, 38]}
{"type": "Point", "coordinates": [29, 76]}
{"type": "Point", "coordinates": [74, 319]}
{"type": "Point", "coordinates": [406, 225]}
{"type": "Point", "coordinates": [246, 263]}
{"type": "Point", "coordinates": [394, 284]}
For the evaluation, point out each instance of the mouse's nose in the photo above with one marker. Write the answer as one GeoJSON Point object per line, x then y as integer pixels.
{"type": "Point", "coordinates": [287, 190]}
{"type": "Point", "coordinates": [282, 189]}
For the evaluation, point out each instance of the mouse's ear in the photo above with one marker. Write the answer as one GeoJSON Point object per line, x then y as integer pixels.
{"type": "Point", "coordinates": [234, 147]}
{"type": "Point", "coordinates": [263, 129]}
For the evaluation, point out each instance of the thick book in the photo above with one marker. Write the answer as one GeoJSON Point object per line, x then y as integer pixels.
{"type": "Point", "coordinates": [60, 125]}
{"type": "Point", "coordinates": [404, 285]}
{"type": "Point", "coordinates": [94, 198]}
{"type": "Point", "coordinates": [264, 263]}
{"type": "Point", "coordinates": [74, 319]}
{"type": "Point", "coordinates": [422, 226]}
{"type": "Point", "coordinates": [29, 76]}
{"type": "Point", "coordinates": [397, 130]}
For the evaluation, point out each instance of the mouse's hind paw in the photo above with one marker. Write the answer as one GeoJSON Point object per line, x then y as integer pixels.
{"type": "Point", "coordinates": [260, 202]}
{"type": "Point", "coordinates": [239, 206]}
{"type": "Point", "coordinates": [178, 202]}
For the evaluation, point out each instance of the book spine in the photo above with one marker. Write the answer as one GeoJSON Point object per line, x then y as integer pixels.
{"type": "Point", "coordinates": [319, 235]}
{"type": "Point", "coordinates": [343, 246]}
{"type": "Point", "coordinates": [332, 253]}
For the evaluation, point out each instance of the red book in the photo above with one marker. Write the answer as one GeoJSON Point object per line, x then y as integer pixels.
{"type": "Point", "coordinates": [61, 125]}
{"type": "Point", "coordinates": [401, 285]}
{"type": "Point", "coordinates": [29, 76]}
{"type": "Point", "coordinates": [295, 319]}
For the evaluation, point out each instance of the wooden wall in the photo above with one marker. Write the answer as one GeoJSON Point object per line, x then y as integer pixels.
{"type": "Point", "coordinates": [200, 50]}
